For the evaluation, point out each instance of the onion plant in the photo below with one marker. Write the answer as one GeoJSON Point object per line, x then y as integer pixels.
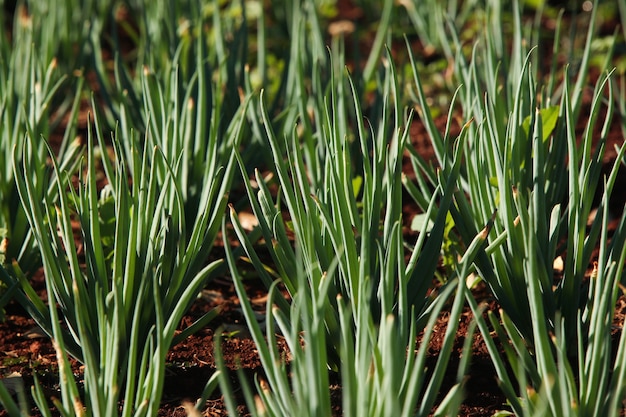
{"type": "Point", "coordinates": [61, 30]}
{"type": "Point", "coordinates": [557, 377]}
{"type": "Point", "coordinates": [355, 304]}
{"type": "Point", "coordinates": [524, 159]}
{"type": "Point", "coordinates": [294, 74]}
{"type": "Point", "coordinates": [120, 308]}
{"type": "Point", "coordinates": [187, 121]}
{"type": "Point", "coordinates": [358, 298]}
{"type": "Point", "coordinates": [31, 103]}
{"type": "Point", "coordinates": [427, 18]}
{"type": "Point", "coordinates": [357, 205]}
{"type": "Point", "coordinates": [523, 144]}
{"type": "Point", "coordinates": [381, 366]}
{"type": "Point", "coordinates": [126, 257]}
{"type": "Point", "coordinates": [144, 257]}
{"type": "Point", "coordinates": [199, 47]}
{"type": "Point", "coordinates": [185, 99]}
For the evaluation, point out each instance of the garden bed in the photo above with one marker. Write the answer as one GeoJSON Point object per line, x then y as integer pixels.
{"type": "Point", "coordinates": [26, 351]}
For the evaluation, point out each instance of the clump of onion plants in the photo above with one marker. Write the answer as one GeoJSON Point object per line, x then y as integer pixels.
{"type": "Point", "coordinates": [525, 160]}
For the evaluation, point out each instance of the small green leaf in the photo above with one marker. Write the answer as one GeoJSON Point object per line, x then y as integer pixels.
{"type": "Point", "coordinates": [357, 182]}
{"type": "Point", "coordinates": [549, 117]}
{"type": "Point", "coordinates": [449, 225]}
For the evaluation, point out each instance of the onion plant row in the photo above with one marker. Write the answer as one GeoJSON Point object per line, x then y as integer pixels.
{"type": "Point", "coordinates": [218, 112]}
